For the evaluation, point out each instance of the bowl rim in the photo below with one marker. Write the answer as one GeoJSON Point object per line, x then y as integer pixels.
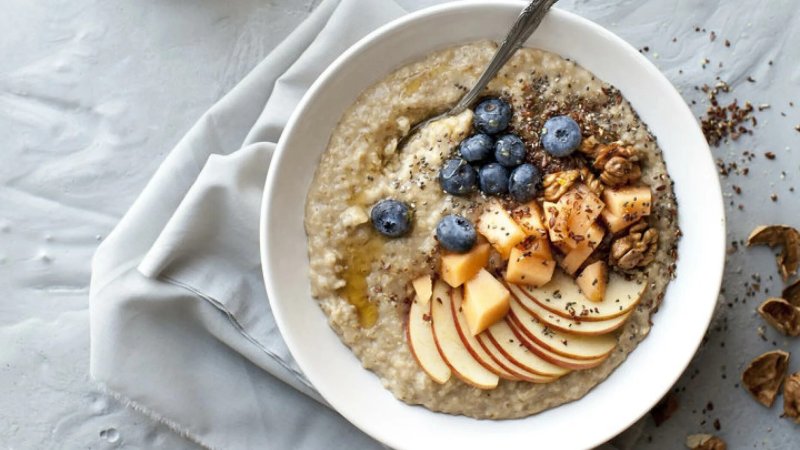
{"type": "Point", "coordinates": [714, 277]}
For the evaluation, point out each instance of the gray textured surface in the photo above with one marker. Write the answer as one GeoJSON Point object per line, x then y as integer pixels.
{"type": "Point", "coordinates": [92, 95]}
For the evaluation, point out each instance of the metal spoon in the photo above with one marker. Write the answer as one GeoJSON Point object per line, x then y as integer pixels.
{"type": "Point", "coordinates": [528, 20]}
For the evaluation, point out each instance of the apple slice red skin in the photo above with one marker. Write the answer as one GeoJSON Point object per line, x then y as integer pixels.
{"type": "Point", "coordinates": [525, 375]}
{"type": "Point", "coordinates": [565, 329]}
{"type": "Point", "coordinates": [559, 360]}
{"type": "Point", "coordinates": [503, 373]}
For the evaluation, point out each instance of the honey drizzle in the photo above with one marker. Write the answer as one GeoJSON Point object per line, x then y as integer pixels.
{"type": "Point", "coordinates": [359, 260]}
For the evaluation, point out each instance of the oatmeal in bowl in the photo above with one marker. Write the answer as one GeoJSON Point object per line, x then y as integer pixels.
{"type": "Point", "coordinates": [505, 260]}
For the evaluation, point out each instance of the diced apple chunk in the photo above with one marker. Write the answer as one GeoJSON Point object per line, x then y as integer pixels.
{"type": "Point", "coordinates": [593, 281]}
{"type": "Point", "coordinates": [574, 258]}
{"type": "Point", "coordinates": [423, 286]}
{"type": "Point", "coordinates": [457, 268]}
{"type": "Point", "coordinates": [485, 301]}
{"type": "Point", "coordinates": [500, 229]}
{"type": "Point", "coordinates": [529, 267]}
{"type": "Point", "coordinates": [633, 201]}
{"type": "Point", "coordinates": [569, 219]}
{"type": "Point", "coordinates": [586, 207]}
{"type": "Point", "coordinates": [529, 217]}
{"type": "Point", "coordinates": [556, 220]}
{"type": "Point", "coordinates": [616, 224]}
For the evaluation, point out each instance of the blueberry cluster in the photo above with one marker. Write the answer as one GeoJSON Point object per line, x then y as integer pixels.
{"type": "Point", "coordinates": [491, 160]}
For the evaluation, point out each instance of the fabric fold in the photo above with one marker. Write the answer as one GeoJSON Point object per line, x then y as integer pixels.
{"type": "Point", "coordinates": [180, 324]}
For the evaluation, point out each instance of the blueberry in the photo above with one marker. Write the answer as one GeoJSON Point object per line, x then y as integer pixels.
{"type": "Point", "coordinates": [509, 150]}
{"type": "Point", "coordinates": [457, 177]}
{"type": "Point", "coordinates": [561, 136]}
{"type": "Point", "coordinates": [455, 233]}
{"type": "Point", "coordinates": [391, 218]}
{"type": "Point", "coordinates": [477, 148]}
{"type": "Point", "coordinates": [492, 116]}
{"type": "Point", "coordinates": [524, 182]}
{"type": "Point", "coordinates": [493, 179]}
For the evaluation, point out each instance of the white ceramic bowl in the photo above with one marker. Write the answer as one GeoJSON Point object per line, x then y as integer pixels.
{"type": "Point", "coordinates": [679, 324]}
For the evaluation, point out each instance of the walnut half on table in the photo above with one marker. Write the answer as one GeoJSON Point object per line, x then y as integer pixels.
{"type": "Point", "coordinates": [791, 397]}
{"type": "Point", "coordinates": [763, 377]}
{"type": "Point", "coordinates": [705, 442]}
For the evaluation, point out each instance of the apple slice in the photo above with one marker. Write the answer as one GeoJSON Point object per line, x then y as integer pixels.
{"type": "Point", "coordinates": [494, 352]}
{"type": "Point", "coordinates": [420, 341]}
{"type": "Point", "coordinates": [503, 337]}
{"type": "Point", "coordinates": [471, 342]}
{"type": "Point", "coordinates": [567, 344]}
{"type": "Point", "coordinates": [423, 286]}
{"type": "Point", "coordinates": [547, 355]}
{"type": "Point", "coordinates": [593, 281]}
{"type": "Point", "coordinates": [562, 296]}
{"type": "Point", "coordinates": [571, 325]}
{"type": "Point", "coordinates": [450, 346]}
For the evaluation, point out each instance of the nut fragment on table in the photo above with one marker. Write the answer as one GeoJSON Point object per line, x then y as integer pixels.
{"type": "Point", "coordinates": [557, 184]}
{"type": "Point", "coordinates": [782, 315]}
{"type": "Point", "coordinates": [791, 293]}
{"type": "Point", "coordinates": [635, 249]}
{"type": "Point", "coordinates": [705, 442]}
{"type": "Point", "coordinates": [763, 377]}
{"type": "Point", "coordinates": [779, 235]}
{"type": "Point", "coordinates": [791, 397]}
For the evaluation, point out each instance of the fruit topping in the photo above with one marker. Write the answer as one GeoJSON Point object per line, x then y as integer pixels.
{"type": "Point", "coordinates": [477, 148]}
{"type": "Point", "coordinates": [423, 287]}
{"type": "Point", "coordinates": [509, 150]}
{"type": "Point", "coordinates": [499, 228]}
{"type": "Point", "coordinates": [523, 182]}
{"type": "Point", "coordinates": [391, 218]}
{"type": "Point", "coordinates": [593, 281]}
{"type": "Point", "coordinates": [531, 263]}
{"type": "Point", "coordinates": [492, 116]}
{"type": "Point", "coordinates": [625, 206]}
{"type": "Point", "coordinates": [485, 301]}
{"type": "Point", "coordinates": [456, 234]}
{"type": "Point", "coordinates": [493, 179]}
{"type": "Point", "coordinates": [561, 135]}
{"type": "Point", "coordinates": [457, 268]}
{"type": "Point", "coordinates": [457, 177]}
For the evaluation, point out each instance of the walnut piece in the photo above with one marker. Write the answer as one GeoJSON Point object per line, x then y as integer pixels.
{"type": "Point", "coordinates": [636, 249]}
{"type": "Point", "coordinates": [791, 293]}
{"type": "Point", "coordinates": [780, 235]}
{"type": "Point", "coordinates": [791, 397]}
{"type": "Point", "coordinates": [705, 442]}
{"type": "Point", "coordinates": [763, 377]}
{"type": "Point", "coordinates": [782, 315]}
{"type": "Point", "coordinates": [589, 146]}
{"type": "Point", "coordinates": [591, 181]}
{"type": "Point", "coordinates": [618, 164]}
{"type": "Point", "coordinates": [558, 183]}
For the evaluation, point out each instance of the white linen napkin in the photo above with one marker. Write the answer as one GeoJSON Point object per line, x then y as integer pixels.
{"type": "Point", "coordinates": [180, 324]}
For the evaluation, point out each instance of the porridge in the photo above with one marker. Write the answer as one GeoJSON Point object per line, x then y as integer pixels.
{"type": "Point", "coordinates": [504, 260]}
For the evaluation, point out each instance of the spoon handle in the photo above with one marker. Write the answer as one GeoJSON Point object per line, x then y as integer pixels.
{"type": "Point", "coordinates": [526, 23]}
